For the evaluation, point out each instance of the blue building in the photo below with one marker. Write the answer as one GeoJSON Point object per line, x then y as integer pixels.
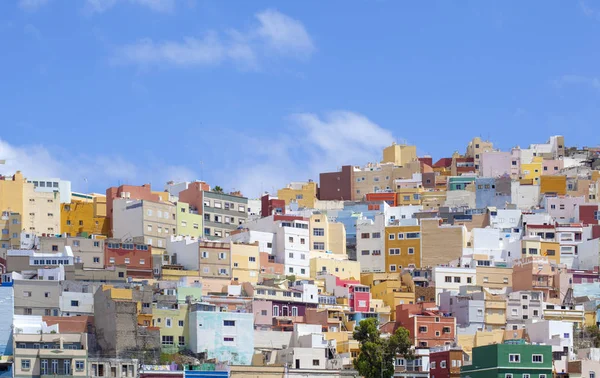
{"type": "Point", "coordinates": [227, 337]}
{"type": "Point", "coordinates": [7, 306]}
{"type": "Point", "coordinates": [486, 194]}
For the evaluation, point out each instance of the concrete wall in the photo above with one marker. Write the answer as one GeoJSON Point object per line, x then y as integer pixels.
{"type": "Point", "coordinates": [39, 296]}
{"type": "Point", "coordinates": [440, 244]}
{"type": "Point", "coordinates": [73, 303]}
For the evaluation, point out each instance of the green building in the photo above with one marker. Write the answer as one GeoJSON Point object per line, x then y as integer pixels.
{"type": "Point", "coordinates": [513, 359]}
{"type": "Point", "coordinates": [460, 182]}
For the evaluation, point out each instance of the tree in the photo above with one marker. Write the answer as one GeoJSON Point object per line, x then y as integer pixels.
{"type": "Point", "coordinates": [218, 189]}
{"type": "Point", "coordinates": [377, 353]}
{"type": "Point", "coordinates": [593, 334]}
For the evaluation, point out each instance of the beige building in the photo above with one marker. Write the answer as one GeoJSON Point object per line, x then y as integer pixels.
{"type": "Point", "coordinates": [491, 277]}
{"type": "Point", "coordinates": [537, 274]}
{"type": "Point", "coordinates": [441, 243]}
{"type": "Point", "coordinates": [215, 259]}
{"type": "Point", "coordinates": [89, 252]}
{"type": "Point", "coordinates": [476, 147]}
{"type": "Point", "coordinates": [399, 154]}
{"type": "Point", "coordinates": [41, 212]}
{"type": "Point", "coordinates": [245, 262]}
{"type": "Point", "coordinates": [338, 265]}
{"type": "Point", "coordinates": [330, 235]}
{"type": "Point", "coordinates": [375, 177]}
{"type": "Point", "coordinates": [154, 221]}
{"type": "Point", "coordinates": [50, 354]}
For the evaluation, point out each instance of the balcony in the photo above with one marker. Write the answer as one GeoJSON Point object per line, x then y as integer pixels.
{"type": "Point", "coordinates": [542, 284]}
{"type": "Point", "coordinates": [56, 373]}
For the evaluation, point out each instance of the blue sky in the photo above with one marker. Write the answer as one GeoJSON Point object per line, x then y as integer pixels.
{"type": "Point", "coordinates": [263, 93]}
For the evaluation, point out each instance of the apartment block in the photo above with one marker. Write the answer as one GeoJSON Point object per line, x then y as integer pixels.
{"type": "Point", "coordinates": [402, 248]}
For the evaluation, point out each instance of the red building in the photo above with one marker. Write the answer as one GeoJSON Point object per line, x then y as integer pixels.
{"type": "Point", "coordinates": [271, 206]}
{"type": "Point", "coordinates": [390, 198]}
{"type": "Point", "coordinates": [194, 196]}
{"type": "Point", "coordinates": [143, 192]}
{"type": "Point", "coordinates": [136, 257]}
{"type": "Point", "coordinates": [589, 214]}
{"type": "Point", "coordinates": [359, 296]}
{"type": "Point", "coordinates": [445, 363]}
{"type": "Point", "coordinates": [427, 326]}
{"type": "Point", "coordinates": [336, 185]}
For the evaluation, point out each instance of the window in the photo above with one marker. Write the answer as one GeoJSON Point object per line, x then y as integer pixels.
{"type": "Point", "coordinates": [168, 320]}
{"type": "Point", "coordinates": [228, 339]}
{"type": "Point", "coordinates": [514, 358]}
{"type": "Point", "coordinates": [365, 235]}
{"type": "Point", "coordinates": [27, 293]}
{"type": "Point", "coordinates": [469, 280]}
{"type": "Point", "coordinates": [25, 364]}
{"type": "Point", "coordinates": [181, 340]}
{"type": "Point", "coordinates": [443, 364]}
{"type": "Point", "coordinates": [229, 323]}
{"type": "Point", "coordinates": [365, 252]}
{"type": "Point", "coordinates": [79, 365]}
{"type": "Point", "coordinates": [127, 260]}
{"type": "Point", "coordinates": [392, 236]}
{"type": "Point", "coordinates": [411, 251]}
{"type": "Point", "coordinates": [413, 235]}
{"type": "Point", "coordinates": [315, 362]}
{"type": "Point", "coordinates": [566, 335]}
{"type": "Point", "coordinates": [592, 374]}
{"type": "Point", "coordinates": [74, 303]}
{"type": "Point", "coordinates": [111, 260]}
{"type": "Point", "coordinates": [537, 358]}
{"type": "Point", "coordinates": [456, 279]}
{"type": "Point", "coordinates": [319, 232]}
{"type": "Point", "coordinates": [447, 279]}
{"type": "Point", "coordinates": [319, 246]}
{"type": "Point", "coordinates": [542, 375]}
{"type": "Point", "coordinates": [47, 294]}
{"type": "Point", "coordinates": [222, 256]}
{"type": "Point", "coordinates": [394, 251]}
{"type": "Point", "coordinates": [422, 329]}
{"type": "Point", "coordinates": [508, 375]}
{"type": "Point", "coordinates": [432, 365]}
{"type": "Point", "coordinates": [392, 268]}
{"type": "Point", "coordinates": [376, 235]}
{"type": "Point", "coordinates": [167, 340]}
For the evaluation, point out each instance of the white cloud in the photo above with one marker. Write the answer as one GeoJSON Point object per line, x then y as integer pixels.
{"type": "Point", "coordinates": [276, 33]}
{"type": "Point", "coordinates": [100, 171]}
{"type": "Point", "coordinates": [101, 6]}
{"type": "Point", "coordinates": [32, 5]}
{"type": "Point", "coordinates": [208, 50]}
{"type": "Point", "coordinates": [587, 10]}
{"type": "Point", "coordinates": [565, 80]}
{"type": "Point", "coordinates": [284, 33]}
{"type": "Point", "coordinates": [311, 145]}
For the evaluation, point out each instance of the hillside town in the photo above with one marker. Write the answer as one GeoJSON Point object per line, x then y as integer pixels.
{"type": "Point", "coordinates": [488, 260]}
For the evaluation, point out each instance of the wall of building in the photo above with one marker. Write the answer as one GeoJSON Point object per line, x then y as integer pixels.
{"type": "Point", "coordinates": [440, 243]}
{"type": "Point", "coordinates": [188, 221]}
{"type": "Point", "coordinates": [245, 262]}
{"type": "Point", "coordinates": [209, 334]}
{"type": "Point", "coordinates": [402, 251]}
{"type": "Point", "coordinates": [302, 193]}
{"type": "Point", "coordinates": [78, 218]}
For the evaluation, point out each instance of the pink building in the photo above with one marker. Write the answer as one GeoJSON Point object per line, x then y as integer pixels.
{"type": "Point", "coordinates": [552, 167]}
{"type": "Point", "coordinates": [563, 208]}
{"type": "Point", "coordinates": [495, 164]}
{"type": "Point", "coordinates": [358, 295]}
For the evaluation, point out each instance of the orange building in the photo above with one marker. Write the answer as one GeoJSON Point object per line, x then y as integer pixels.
{"type": "Point", "coordinates": [402, 247]}
{"type": "Point", "coordinates": [390, 198]}
{"type": "Point", "coordinates": [553, 185]}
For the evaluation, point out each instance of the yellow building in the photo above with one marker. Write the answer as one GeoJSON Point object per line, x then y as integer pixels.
{"type": "Point", "coordinates": [393, 293]}
{"type": "Point", "coordinates": [304, 193]}
{"type": "Point", "coordinates": [399, 154]}
{"type": "Point", "coordinates": [173, 325]}
{"type": "Point", "coordinates": [534, 247]}
{"type": "Point", "coordinates": [245, 262]}
{"type": "Point", "coordinates": [402, 248]}
{"type": "Point", "coordinates": [495, 311]}
{"type": "Point", "coordinates": [532, 171]}
{"type": "Point", "coordinates": [338, 265]}
{"type": "Point", "coordinates": [492, 277]}
{"type": "Point", "coordinates": [177, 274]}
{"type": "Point", "coordinates": [408, 196]}
{"type": "Point", "coordinates": [79, 218]}
{"type": "Point", "coordinates": [327, 236]}
{"type": "Point", "coordinates": [11, 193]}
{"type": "Point", "coordinates": [553, 184]}
{"type": "Point", "coordinates": [433, 200]}
{"type": "Point", "coordinates": [189, 222]}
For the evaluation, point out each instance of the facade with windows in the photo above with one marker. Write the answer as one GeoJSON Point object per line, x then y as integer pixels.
{"type": "Point", "coordinates": [154, 221]}
{"type": "Point", "coordinates": [402, 248]}
{"type": "Point", "coordinates": [370, 244]}
{"type": "Point", "coordinates": [50, 354]}
{"type": "Point", "coordinates": [512, 359]}
{"type": "Point", "coordinates": [451, 279]}
{"type": "Point", "coordinates": [222, 213]}
{"type": "Point", "coordinates": [173, 325]}
{"type": "Point", "coordinates": [86, 251]}
{"type": "Point", "coordinates": [189, 220]}
{"type": "Point", "coordinates": [136, 257]}
{"type": "Point", "coordinates": [225, 336]}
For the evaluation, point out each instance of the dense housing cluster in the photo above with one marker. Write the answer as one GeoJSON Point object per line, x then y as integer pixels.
{"type": "Point", "coordinates": [490, 260]}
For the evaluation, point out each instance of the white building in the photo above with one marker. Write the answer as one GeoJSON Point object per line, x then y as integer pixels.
{"type": "Point", "coordinates": [559, 334]}
{"type": "Point", "coordinates": [370, 244]}
{"type": "Point", "coordinates": [291, 242]}
{"type": "Point", "coordinates": [52, 185]}
{"type": "Point", "coordinates": [451, 279]}
{"type": "Point", "coordinates": [308, 349]}
{"type": "Point", "coordinates": [525, 197]}
{"type": "Point", "coordinates": [76, 303]}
